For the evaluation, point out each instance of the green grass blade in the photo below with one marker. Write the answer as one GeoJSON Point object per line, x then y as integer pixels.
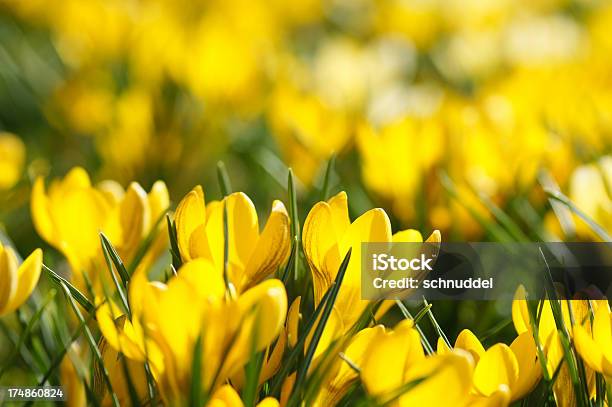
{"type": "Point", "coordinates": [294, 218]}
{"type": "Point", "coordinates": [174, 249]}
{"type": "Point", "coordinates": [424, 341]}
{"type": "Point", "coordinates": [435, 324]}
{"type": "Point", "coordinates": [504, 220]}
{"type": "Point", "coordinates": [92, 344]}
{"type": "Point", "coordinates": [290, 262]}
{"type": "Point", "coordinates": [497, 233]}
{"type": "Point", "coordinates": [58, 358]}
{"type": "Point", "coordinates": [195, 389]}
{"type": "Point", "coordinates": [329, 304]}
{"type": "Point", "coordinates": [226, 279]}
{"type": "Point", "coordinates": [559, 196]}
{"type": "Point", "coordinates": [252, 371]}
{"type": "Point", "coordinates": [299, 346]}
{"type": "Point", "coordinates": [224, 180]}
{"type": "Point", "coordinates": [110, 251]}
{"type": "Point", "coordinates": [120, 292]}
{"type": "Point", "coordinates": [327, 179]}
{"type": "Point", "coordinates": [76, 294]}
{"type": "Point", "coordinates": [28, 329]}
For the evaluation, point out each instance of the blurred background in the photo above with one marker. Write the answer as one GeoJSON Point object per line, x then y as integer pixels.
{"type": "Point", "coordinates": [451, 114]}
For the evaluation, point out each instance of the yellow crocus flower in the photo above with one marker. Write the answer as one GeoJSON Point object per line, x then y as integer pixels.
{"type": "Point", "coordinates": [253, 255]}
{"type": "Point", "coordinates": [226, 396]}
{"type": "Point", "coordinates": [72, 212]}
{"type": "Point", "coordinates": [395, 358]}
{"type": "Point", "coordinates": [548, 335]}
{"type": "Point", "coordinates": [167, 321]}
{"type": "Point", "coordinates": [17, 281]}
{"type": "Point", "coordinates": [328, 235]}
{"type": "Point", "coordinates": [12, 158]}
{"type": "Point", "coordinates": [595, 347]}
{"type": "Point", "coordinates": [504, 373]}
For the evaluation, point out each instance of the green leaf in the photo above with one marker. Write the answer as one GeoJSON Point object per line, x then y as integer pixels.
{"type": "Point", "coordinates": [559, 196]}
{"type": "Point", "coordinates": [109, 251]}
{"type": "Point", "coordinates": [120, 292]}
{"type": "Point", "coordinates": [294, 218]}
{"type": "Point", "coordinates": [228, 284]}
{"type": "Point", "coordinates": [318, 332]}
{"type": "Point", "coordinates": [195, 389]}
{"type": "Point", "coordinates": [299, 346]}
{"type": "Point", "coordinates": [76, 294]}
{"type": "Point", "coordinates": [253, 370]}
{"type": "Point", "coordinates": [174, 249]}
{"type": "Point", "coordinates": [327, 178]}
{"type": "Point", "coordinates": [497, 232]}
{"type": "Point", "coordinates": [435, 324]}
{"type": "Point", "coordinates": [424, 341]}
{"type": "Point", "coordinates": [28, 329]}
{"type": "Point", "coordinates": [223, 178]}
{"type": "Point", "coordinates": [295, 246]}
{"type": "Point", "coordinates": [92, 344]}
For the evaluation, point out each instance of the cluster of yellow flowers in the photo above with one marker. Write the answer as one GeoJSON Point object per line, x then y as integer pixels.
{"type": "Point", "coordinates": [223, 304]}
{"type": "Point", "coordinates": [489, 92]}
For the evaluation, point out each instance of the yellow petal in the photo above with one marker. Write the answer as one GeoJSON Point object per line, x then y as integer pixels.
{"type": "Point", "coordinates": [469, 342]}
{"type": "Point", "coordinates": [206, 281]}
{"type": "Point", "coordinates": [70, 380]}
{"type": "Point", "coordinates": [243, 227]}
{"type": "Point", "coordinates": [287, 388]}
{"type": "Point", "coordinates": [190, 213]}
{"type": "Point", "coordinates": [525, 351]}
{"type": "Point", "coordinates": [27, 278]}
{"type": "Point", "coordinates": [435, 237]}
{"type": "Point", "coordinates": [225, 396]}
{"type": "Point", "coordinates": [338, 205]}
{"type": "Point", "coordinates": [272, 247]}
{"type": "Point", "coordinates": [261, 313]}
{"type": "Point", "coordinates": [273, 361]}
{"type": "Point", "coordinates": [588, 349]}
{"type": "Point", "coordinates": [318, 238]}
{"type": "Point", "coordinates": [602, 331]}
{"type": "Point", "coordinates": [372, 226]}
{"type": "Point", "coordinates": [441, 347]}
{"type": "Point", "coordinates": [106, 314]}
{"type": "Point", "coordinates": [213, 233]}
{"type": "Point", "coordinates": [39, 207]}
{"type": "Point", "coordinates": [293, 320]}
{"type": "Point", "coordinates": [356, 353]}
{"type": "Point", "coordinates": [389, 358]}
{"type": "Point", "coordinates": [496, 366]}
{"type": "Point", "coordinates": [159, 200]}
{"type": "Point", "coordinates": [12, 158]}
{"type": "Point", "coordinates": [447, 381]}
{"type": "Point", "coordinates": [500, 398]}
{"type": "Point", "coordinates": [112, 191]}
{"type": "Point", "coordinates": [8, 278]}
{"type": "Point", "coordinates": [408, 235]}
{"type": "Point", "coordinates": [135, 219]}
{"type": "Point", "coordinates": [520, 312]}
{"type": "Point", "coordinates": [267, 302]}
{"type": "Point", "coordinates": [76, 178]}
{"type": "Point", "coordinates": [268, 402]}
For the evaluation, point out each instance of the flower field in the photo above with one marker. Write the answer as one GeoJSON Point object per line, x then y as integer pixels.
{"type": "Point", "coordinates": [186, 188]}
